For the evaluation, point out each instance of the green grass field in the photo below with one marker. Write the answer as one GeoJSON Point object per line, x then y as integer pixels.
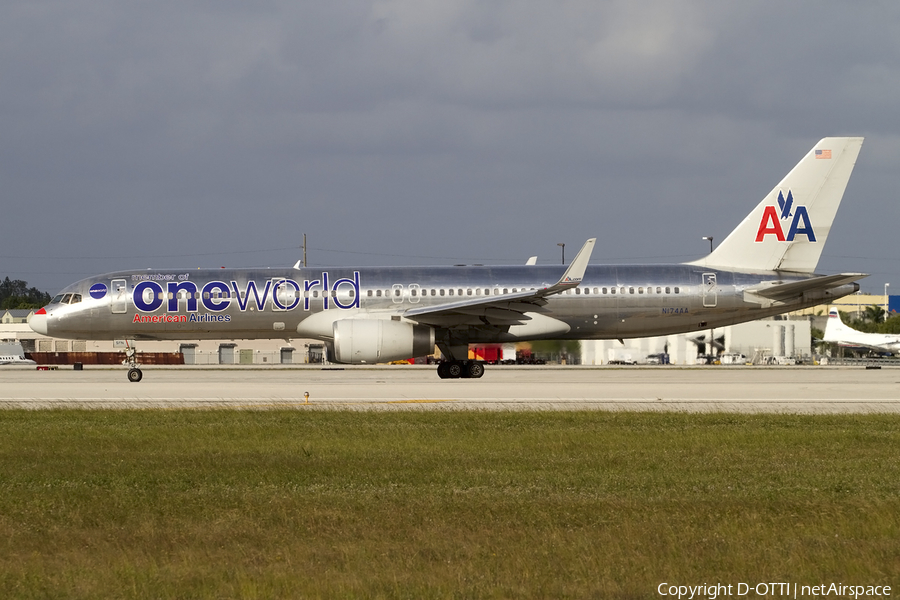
{"type": "Point", "coordinates": [229, 504]}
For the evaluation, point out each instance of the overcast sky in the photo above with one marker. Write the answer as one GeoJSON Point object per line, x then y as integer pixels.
{"type": "Point", "coordinates": [180, 134]}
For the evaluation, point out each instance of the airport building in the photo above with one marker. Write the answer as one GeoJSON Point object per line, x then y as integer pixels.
{"type": "Point", "coordinates": [200, 352]}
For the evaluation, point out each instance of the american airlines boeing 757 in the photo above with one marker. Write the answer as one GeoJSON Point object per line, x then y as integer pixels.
{"type": "Point", "coordinates": [766, 266]}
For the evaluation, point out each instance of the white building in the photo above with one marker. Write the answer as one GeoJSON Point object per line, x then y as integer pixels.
{"type": "Point", "coordinates": [756, 339]}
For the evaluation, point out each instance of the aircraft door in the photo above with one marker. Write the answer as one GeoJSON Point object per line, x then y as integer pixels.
{"type": "Point", "coordinates": [710, 295]}
{"type": "Point", "coordinates": [286, 292]}
{"type": "Point", "coordinates": [119, 301]}
{"type": "Point", "coordinates": [415, 292]}
{"type": "Point", "coordinates": [397, 293]}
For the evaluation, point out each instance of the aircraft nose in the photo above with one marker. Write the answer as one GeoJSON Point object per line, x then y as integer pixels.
{"type": "Point", "coordinates": [38, 322]}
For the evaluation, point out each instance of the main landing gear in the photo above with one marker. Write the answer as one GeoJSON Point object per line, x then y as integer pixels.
{"type": "Point", "coordinates": [455, 369]}
{"type": "Point", "coordinates": [134, 374]}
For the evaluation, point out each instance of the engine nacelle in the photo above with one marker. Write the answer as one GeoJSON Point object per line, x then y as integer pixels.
{"type": "Point", "coordinates": [359, 341]}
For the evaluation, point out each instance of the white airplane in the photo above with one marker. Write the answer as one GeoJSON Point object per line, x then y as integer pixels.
{"type": "Point", "coordinates": [843, 335]}
{"type": "Point", "coordinates": [12, 354]}
{"type": "Point", "coordinates": [766, 266]}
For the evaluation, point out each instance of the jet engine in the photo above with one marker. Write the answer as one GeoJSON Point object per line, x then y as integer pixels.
{"type": "Point", "coordinates": [358, 341]}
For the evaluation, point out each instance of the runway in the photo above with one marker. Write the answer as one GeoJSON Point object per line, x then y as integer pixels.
{"type": "Point", "coordinates": [813, 389]}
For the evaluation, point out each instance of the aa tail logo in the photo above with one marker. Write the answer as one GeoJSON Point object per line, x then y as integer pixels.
{"type": "Point", "coordinates": [771, 221]}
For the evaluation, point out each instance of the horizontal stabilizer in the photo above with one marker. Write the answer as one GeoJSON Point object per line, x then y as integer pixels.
{"type": "Point", "coordinates": [780, 292]}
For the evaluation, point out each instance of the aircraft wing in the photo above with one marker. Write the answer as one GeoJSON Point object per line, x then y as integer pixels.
{"type": "Point", "coordinates": [783, 291]}
{"type": "Point", "coordinates": [506, 309]}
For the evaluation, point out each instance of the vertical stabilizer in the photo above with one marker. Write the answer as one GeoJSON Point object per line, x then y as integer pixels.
{"type": "Point", "coordinates": [788, 229]}
{"type": "Point", "coordinates": [835, 330]}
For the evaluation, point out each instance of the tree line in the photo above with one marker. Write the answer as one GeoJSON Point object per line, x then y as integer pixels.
{"type": "Point", "coordinates": [15, 293]}
{"type": "Point", "coordinates": [872, 319]}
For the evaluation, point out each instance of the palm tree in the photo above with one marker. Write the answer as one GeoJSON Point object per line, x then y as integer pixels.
{"type": "Point", "coordinates": [873, 314]}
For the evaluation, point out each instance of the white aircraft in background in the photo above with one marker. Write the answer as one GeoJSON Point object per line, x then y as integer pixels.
{"type": "Point", "coordinates": [765, 267]}
{"type": "Point", "coordinates": [12, 354]}
{"type": "Point", "coordinates": [843, 335]}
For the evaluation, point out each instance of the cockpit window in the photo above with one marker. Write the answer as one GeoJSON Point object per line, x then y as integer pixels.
{"type": "Point", "coordinates": [76, 298]}
{"type": "Point", "coordinates": [67, 298]}
{"type": "Point", "coordinates": [57, 299]}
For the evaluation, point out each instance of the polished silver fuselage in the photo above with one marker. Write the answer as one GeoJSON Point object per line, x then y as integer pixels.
{"type": "Point", "coordinates": [614, 301]}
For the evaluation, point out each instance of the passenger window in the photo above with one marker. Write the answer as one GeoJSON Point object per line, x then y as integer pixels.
{"type": "Point", "coordinates": [658, 290]}
{"type": "Point", "coordinates": [450, 292]}
{"type": "Point", "coordinates": [612, 290]}
{"type": "Point", "coordinates": [378, 293]}
{"type": "Point", "coordinates": [397, 292]}
{"type": "Point", "coordinates": [315, 293]}
{"type": "Point", "coordinates": [577, 291]}
{"type": "Point", "coordinates": [369, 293]}
{"type": "Point", "coordinates": [640, 290]}
{"type": "Point", "coordinates": [412, 292]}
{"type": "Point", "coordinates": [468, 292]}
{"type": "Point", "coordinates": [630, 290]}
{"type": "Point", "coordinates": [603, 290]}
{"type": "Point", "coordinates": [677, 290]}
{"type": "Point", "coordinates": [505, 290]}
{"type": "Point", "coordinates": [459, 291]}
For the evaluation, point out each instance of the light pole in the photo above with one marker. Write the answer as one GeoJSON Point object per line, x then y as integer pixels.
{"type": "Point", "coordinates": [886, 286]}
{"type": "Point", "coordinates": [563, 246]}
{"type": "Point", "coordinates": [710, 238]}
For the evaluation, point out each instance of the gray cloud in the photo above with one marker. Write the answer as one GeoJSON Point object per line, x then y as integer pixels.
{"type": "Point", "coordinates": [411, 132]}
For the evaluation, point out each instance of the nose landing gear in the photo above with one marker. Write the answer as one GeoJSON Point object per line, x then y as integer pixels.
{"type": "Point", "coordinates": [134, 374]}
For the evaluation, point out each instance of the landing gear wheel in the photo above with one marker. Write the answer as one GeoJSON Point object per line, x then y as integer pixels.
{"type": "Point", "coordinates": [442, 370]}
{"type": "Point", "coordinates": [134, 375]}
{"type": "Point", "coordinates": [454, 370]}
{"type": "Point", "coordinates": [475, 369]}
